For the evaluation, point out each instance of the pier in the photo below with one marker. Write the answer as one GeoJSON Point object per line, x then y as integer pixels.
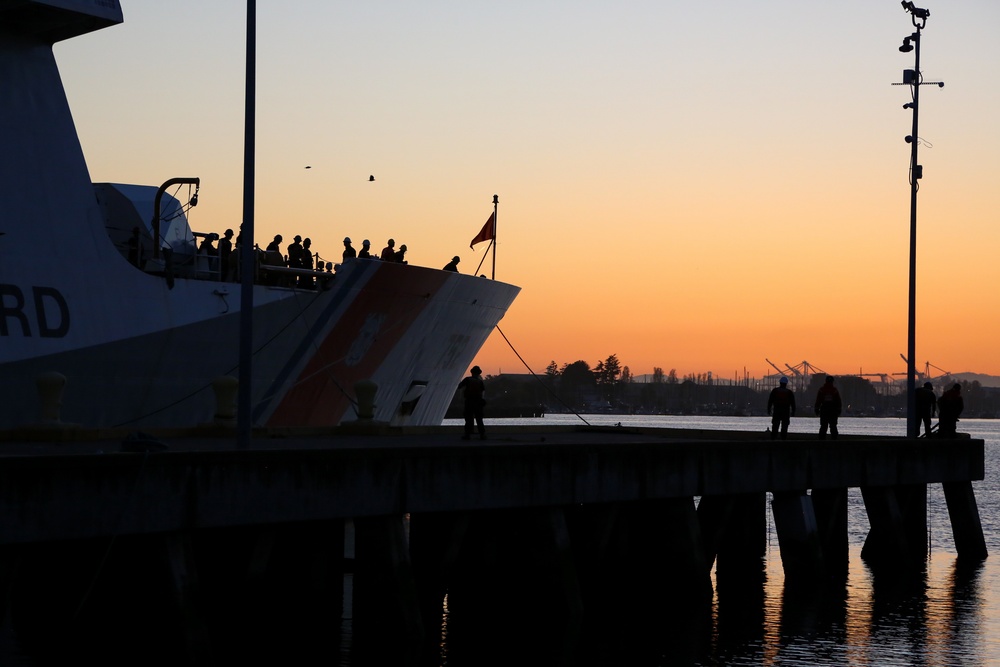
{"type": "Point", "coordinates": [182, 534]}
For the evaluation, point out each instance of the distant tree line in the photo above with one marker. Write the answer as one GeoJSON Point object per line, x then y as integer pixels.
{"type": "Point", "coordinates": [609, 386]}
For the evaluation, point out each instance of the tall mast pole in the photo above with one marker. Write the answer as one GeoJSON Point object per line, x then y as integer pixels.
{"type": "Point", "coordinates": [244, 406]}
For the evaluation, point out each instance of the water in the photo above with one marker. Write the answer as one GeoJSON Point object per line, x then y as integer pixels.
{"type": "Point", "coordinates": [952, 617]}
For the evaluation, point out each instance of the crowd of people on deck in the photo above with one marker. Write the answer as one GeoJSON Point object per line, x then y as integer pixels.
{"type": "Point", "coordinates": [218, 257]}
{"type": "Point", "coordinates": [222, 260]}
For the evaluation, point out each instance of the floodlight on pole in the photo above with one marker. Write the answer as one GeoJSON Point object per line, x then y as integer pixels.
{"type": "Point", "coordinates": [914, 79]}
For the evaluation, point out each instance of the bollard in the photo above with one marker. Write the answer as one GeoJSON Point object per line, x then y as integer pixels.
{"type": "Point", "coordinates": [365, 391]}
{"type": "Point", "coordinates": [50, 391]}
{"type": "Point", "coordinates": [225, 388]}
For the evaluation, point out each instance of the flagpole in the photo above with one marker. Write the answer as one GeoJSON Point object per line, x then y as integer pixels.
{"type": "Point", "coordinates": [495, 200]}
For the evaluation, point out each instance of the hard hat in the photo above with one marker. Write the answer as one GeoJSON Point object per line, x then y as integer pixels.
{"type": "Point", "coordinates": [783, 380]}
{"type": "Point", "coordinates": [366, 242]}
{"type": "Point", "coordinates": [476, 370]}
{"type": "Point", "coordinates": [347, 239]}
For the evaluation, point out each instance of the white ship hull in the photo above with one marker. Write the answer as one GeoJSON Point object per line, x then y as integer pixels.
{"type": "Point", "coordinates": [141, 351]}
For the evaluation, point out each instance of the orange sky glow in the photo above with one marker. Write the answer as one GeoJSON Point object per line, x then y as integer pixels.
{"type": "Point", "coordinates": [696, 188]}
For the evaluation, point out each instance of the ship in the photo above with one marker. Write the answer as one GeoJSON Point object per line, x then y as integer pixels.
{"type": "Point", "coordinates": [102, 287]}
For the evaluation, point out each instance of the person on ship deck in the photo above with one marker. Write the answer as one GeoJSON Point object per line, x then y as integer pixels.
{"type": "Point", "coordinates": [306, 257]}
{"type": "Point", "coordinates": [226, 271]}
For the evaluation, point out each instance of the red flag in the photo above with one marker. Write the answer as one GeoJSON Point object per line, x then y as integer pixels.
{"type": "Point", "coordinates": [487, 233]}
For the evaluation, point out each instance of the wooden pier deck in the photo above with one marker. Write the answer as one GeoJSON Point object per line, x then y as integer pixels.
{"type": "Point", "coordinates": [583, 500]}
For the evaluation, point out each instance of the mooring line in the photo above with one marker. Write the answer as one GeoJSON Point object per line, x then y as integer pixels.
{"type": "Point", "coordinates": [535, 375]}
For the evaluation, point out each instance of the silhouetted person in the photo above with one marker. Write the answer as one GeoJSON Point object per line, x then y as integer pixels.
{"type": "Point", "coordinates": [389, 251]}
{"type": "Point", "coordinates": [226, 256]}
{"type": "Point", "coordinates": [950, 407]}
{"type": "Point", "coordinates": [295, 253]}
{"type": "Point", "coordinates": [473, 388]}
{"type": "Point", "coordinates": [366, 250]}
{"type": "Point", "coordinates": [400, 256]}
{"type": "Point", "coordinates": [273, 257]}
{"type": "Point", "coordinates": [781, 407]}
{"type": "Point", "coordinates": [206, 247]}
{"type": "Point", "coordinates": [307, 263]}
{"type": "Point", "coordinates": [208, 263]}
{"type": "Point", "coordinates": [926, 407]}
{"type": "Point", "coordinates": [135, 248]}
{"type": "Point", "coordinates": [272, 254]}
{"type": "Point", "coordinates": [453, 264]}
{"type": "Point", "coordinates": [828, 407]}
{"type": "Point", "coordinates": [237, 257]}
{"type": "Point", "coordinates": [349, 251]}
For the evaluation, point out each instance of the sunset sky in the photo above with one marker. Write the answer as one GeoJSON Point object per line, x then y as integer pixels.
{"type": "Point", "coordinates": [697, 186]}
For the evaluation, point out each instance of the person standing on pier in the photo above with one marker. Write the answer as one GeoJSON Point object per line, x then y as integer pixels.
{"type": "Point", "coordinates": [828, 407]}
{"type": "Point", "coordinates": [950, 407]}
{"type": "Point", "coordinates": [473, 389]}
{"type": "Point", "coordinates": [781, 407]}
{"type": "Point", "coordinates": [926, 407]}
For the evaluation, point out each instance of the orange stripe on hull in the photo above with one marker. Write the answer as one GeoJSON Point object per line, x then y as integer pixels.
{"type": "Point", "coordinates": [373, 324]}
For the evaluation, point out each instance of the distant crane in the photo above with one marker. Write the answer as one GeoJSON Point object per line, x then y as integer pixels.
{"type": "Point", "coordinates": [928, 366]}
{"type": "Point", "coordinates": [780, 372]}
{"type": "Point", "coordinates": [800, 374]}
{"type": "Point", "coordinates": [926, 375]}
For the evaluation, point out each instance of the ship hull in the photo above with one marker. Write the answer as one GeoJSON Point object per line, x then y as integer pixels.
{"type": "Point", "coordinates": [140, 345]}
{"type": "Point", "coordinates": [398, 326]}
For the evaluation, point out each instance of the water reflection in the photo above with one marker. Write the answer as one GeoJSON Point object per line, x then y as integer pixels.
{"type": "Point", "coordinates": [932, 617]}
{"type": "Point", "coordinates": [962, 619]}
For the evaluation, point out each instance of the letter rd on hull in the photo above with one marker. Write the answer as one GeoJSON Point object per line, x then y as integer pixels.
{"type": "Point", "coordinates": [44, 313]}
